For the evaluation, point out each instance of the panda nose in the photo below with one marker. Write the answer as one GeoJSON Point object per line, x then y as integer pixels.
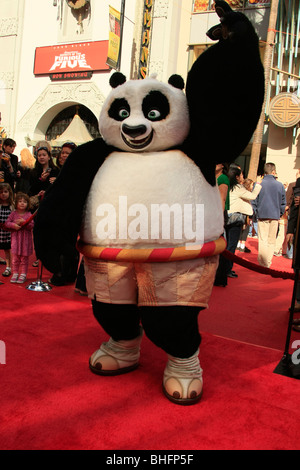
{"type": "Point", "coordinates": [134, 131]}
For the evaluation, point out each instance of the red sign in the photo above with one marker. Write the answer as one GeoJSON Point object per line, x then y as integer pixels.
{"type": "Point", "coordinates": [70, 76]}
{"type": "Point", "coordinates": [78, 57]}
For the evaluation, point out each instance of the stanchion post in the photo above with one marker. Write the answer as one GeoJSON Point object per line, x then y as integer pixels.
{"type": "Point", "coordinates": [39, 285]}
{"type": "Point", "coordinates": [286, 355]}
{"type": "Point", "coordinates": [286, 366]}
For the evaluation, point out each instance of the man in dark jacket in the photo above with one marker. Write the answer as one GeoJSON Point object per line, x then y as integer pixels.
{"type": "Point", "coordinates": [8, 147]}
{"type": "Point", "coordinates": [269, 206]}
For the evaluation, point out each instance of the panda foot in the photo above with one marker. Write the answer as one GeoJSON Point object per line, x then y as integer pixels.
{"type": "Point", "coordinates": [182, 382]}
{"type": "Point", "coordinates": [116, 357]}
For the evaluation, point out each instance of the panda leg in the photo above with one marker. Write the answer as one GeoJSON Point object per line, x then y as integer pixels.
{"type": "Point", "coordinates": [175, 330]}
{"type": "Point", "coordinates": [120, 354]}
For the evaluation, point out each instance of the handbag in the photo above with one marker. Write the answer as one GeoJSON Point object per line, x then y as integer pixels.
{"type": "Point", "coordinates": [235, 219]}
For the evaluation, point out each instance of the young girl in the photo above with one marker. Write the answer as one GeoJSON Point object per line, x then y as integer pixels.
{"type": "Point", "coordinates": [21, 237]}
{"type": "Point", "coordinates": [6, 206]}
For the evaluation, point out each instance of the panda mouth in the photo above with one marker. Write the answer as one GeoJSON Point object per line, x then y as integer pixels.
{"type": "Point", "coordinates": [138, 144]}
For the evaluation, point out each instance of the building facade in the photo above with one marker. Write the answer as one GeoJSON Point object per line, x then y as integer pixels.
{"type": "Point", "coordinates": [283, 100]}
{"type": "Point", "coordinates": [58, 55]}
{"type": "Point", "coordinates": [54, 63]}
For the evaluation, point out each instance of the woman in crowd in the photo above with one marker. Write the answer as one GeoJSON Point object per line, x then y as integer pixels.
{"type": "Point", "coordinates": [41, 177]}
{"type": "Point", "coordinates": [240, 208]}
{"type": "Point", "coordinates": [249, 185]}
{"type": "Point", "coordinates": [65, 151]}
{"type": "Point", "coordinates": [24, 171]}
{"type": "Point", "coordinates": [43, 173]}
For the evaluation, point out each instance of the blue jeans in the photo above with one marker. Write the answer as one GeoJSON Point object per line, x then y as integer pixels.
{"type": "Point", "coordinates": [233, 234]}
{"type": "Point", "coordinates": [289, 252]}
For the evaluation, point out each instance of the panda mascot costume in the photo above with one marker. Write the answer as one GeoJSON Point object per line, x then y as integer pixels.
{"type": "Point", "coordinates": [147, 273]}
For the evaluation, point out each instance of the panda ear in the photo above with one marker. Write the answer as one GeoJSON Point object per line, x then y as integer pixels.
{"type": "Point", "coordinates": [222, 8]}
{"type": "Point", "coordinates": [117, 79]}
{"type": "Point", "coordinates": [176, 81]}
{"type": "Point", "coordinates": [215, 32]}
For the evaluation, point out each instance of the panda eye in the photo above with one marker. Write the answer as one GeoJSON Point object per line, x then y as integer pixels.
{"type": "Point", "coordinates": [119, 109]}
{"type": "Point", "coordinates": [123, 113]}
{"type": "Point", "coordinates": [153, 114]}
{"type": "Point", "coordinates": [155, 106]}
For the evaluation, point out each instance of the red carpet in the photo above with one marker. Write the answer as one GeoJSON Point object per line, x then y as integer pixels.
{"type": "Point", "coordinates": [50, 399]}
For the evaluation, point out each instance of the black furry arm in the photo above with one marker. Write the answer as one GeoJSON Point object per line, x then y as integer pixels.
{"type": "Point", "coordinates": [58, 219]}
{"type": "Point", "coordinates": [225, 92]}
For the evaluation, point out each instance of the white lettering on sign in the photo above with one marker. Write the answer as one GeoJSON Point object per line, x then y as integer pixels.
{"type": "Point", "coordinates": [70, 60]}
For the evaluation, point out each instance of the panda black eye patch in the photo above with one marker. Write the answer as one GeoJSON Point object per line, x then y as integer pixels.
{"type": "Point", "coordinates": [119, 109]}
{"type": "Point", "coordinates": [155, 106]}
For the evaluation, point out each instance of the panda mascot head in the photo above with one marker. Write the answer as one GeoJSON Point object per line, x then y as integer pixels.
{"type": "Point", "coordinates": [144, 115]}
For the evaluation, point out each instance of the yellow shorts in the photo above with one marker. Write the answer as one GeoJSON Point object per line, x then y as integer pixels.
{"type": "Point", "coordinates": [187, 282]}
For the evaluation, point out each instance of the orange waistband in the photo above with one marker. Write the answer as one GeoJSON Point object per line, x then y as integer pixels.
{"type": "Point", "coordinates": [152, 255]}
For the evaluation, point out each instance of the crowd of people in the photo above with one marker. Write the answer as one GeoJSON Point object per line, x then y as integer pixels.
{"type": "Point", "coordinates": [254, 209]}
{"type": "Point", "coordinates": [22, 186]}
{"type": "Point", "coordinates": [266, 209]}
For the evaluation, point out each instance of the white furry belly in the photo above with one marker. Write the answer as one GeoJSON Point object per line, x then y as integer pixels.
{"type": "Point", "coordinates": [149, 200]}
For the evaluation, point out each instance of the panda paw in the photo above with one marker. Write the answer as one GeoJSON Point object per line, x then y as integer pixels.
{"type": "Point", "coordinates": [233, 25]}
